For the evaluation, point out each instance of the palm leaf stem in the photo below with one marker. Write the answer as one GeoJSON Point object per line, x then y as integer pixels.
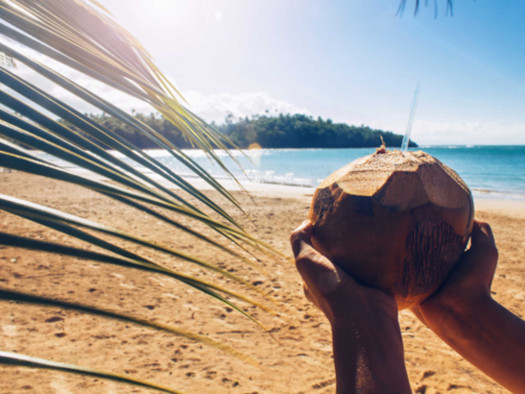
{"type": "Point", "coordinates": [9, 159]}
{"type": "Point", "coordinates": [99, 57]}
{"type": "Point", "coordinates": [167, 110]}
{"type": "Point", "coordinates": [15, 158]}
{"type": "Point", "coordinates": [145, 264]}
{"type": "Point", "coordinates": [70, 62]}
{"type": "Point", "coordinates": [13, 149]}
{"type": "Point", "coordinates": [63, 110]}
{"type": "Point", "coordinates": [140, 264]}
{"type": "Point", "coordinates": [42, 144]}
{"type": "Point", "coordinates": [94, 56]}
{"type": "Point", "coordinates": [71, 137]}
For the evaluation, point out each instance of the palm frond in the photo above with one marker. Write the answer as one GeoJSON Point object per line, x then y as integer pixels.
{"type": "Point", "coordinates": [449, 10]}
{"type": "Point", "coordinates": [43, 135]}
{"type": "Point", "coordinates": [19, 297]}
{"type": "Point", "coordinates": [20, 360]}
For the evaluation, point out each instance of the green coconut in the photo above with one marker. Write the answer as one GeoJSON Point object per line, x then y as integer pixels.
{"type": "Point", "coordinates": [396, 221]}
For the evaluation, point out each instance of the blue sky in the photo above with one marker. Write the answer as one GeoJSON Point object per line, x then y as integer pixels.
{"type": "Point", "coordinates": [351, 61]}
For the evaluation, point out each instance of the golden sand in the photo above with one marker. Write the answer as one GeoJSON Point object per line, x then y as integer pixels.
{"type": "Point", "coordinates": [296, 357]}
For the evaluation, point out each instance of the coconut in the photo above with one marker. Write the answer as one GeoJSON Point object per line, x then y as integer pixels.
{"type": "Point", "coordinates": [396, 221]}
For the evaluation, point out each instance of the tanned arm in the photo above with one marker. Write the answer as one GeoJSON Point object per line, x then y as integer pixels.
{"type": "Point", "coordinates": [367, 343]}
{"type": "Point", "coordinates": [464, 314]}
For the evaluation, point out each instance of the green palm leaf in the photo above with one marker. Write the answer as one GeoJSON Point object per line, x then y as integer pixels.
{"type": "Point", "coordinates": [21, 360]}
{"type": "Point", "coordinates": [104, 138]}
{"type": "Point", "coordinates": [18, 159]}
{"type": "Point", "coordinates": [95, 45]}
{"type": "Point", "coordinates": [19, 297]}
{"type": "Point", "coordinates": [82, 35]}
{"type": "Point", "coordinates": [63, 222]}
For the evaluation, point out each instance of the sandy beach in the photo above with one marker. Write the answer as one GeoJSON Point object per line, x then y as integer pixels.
{"type": "Point", "coordinates": [294, 356]}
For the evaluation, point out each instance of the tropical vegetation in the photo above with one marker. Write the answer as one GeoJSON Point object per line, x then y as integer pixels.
{"type": "Point", "coordinates": [282, 131]}
{"type": "Point", "coordinates": [302, 131]}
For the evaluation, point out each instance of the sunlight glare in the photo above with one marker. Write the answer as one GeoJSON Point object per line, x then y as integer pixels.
{"type": "Point", "coordinates": [162, 6]}
{"type": "Point", "coordinates": [187, 22]}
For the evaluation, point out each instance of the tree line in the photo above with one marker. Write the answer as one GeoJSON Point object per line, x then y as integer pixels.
{"type": "Point", "coordinates": [302, 131]}
{"type": "Point", "coordinates": [282, 131]}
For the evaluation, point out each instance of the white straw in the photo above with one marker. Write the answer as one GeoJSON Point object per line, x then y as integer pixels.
{"type": "Point", "coordinates": [406, 138]}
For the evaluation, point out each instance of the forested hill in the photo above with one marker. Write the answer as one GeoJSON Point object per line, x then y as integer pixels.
{"type": "Point", "coordinates": [282, 131]}
{"type": "Point", "coordinates": [301, 131]}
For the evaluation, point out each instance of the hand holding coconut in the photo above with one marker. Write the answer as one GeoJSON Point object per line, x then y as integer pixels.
{"type": "Point", "coordinates": [368, 348]}
{"type": "Point", "coordinates": [387, 232]}
{"type": "Point", "coordinates": [464, 314]}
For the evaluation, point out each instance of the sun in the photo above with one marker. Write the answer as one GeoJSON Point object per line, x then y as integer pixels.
{"type": "Point", "coordinates": [169, 26]}
{"type": "Point", "coordinates": [162, 5]}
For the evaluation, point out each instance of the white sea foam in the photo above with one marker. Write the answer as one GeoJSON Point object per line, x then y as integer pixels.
{"type": "Point", "coordinates": [493, 172]}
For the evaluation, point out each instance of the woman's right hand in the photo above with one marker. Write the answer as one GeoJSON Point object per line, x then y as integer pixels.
{"type": "Point", "coordinates": [464, 314]}
{"type": "Point", "coordinates": [468, 286]}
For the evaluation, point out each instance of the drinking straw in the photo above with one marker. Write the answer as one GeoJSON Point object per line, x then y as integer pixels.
{"type": "Point", "coordinates": [406, 138]}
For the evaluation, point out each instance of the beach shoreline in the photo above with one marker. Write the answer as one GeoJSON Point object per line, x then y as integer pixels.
{"type": "Point", "coordinates": [505, 204]}
{"type": "Point", "coordinates": [487, 198]}
{"type": "Point", "coordinates": [295, 358]}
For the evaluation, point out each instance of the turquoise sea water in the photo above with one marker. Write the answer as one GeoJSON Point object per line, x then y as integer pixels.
{"type": "Point", "coordinates": [492, 171]}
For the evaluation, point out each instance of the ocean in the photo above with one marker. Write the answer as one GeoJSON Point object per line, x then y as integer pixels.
{"type": "Point", "coordinates": [490, 171]}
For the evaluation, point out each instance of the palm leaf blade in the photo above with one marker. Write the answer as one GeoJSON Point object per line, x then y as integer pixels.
{"type": "Point", "coordinates": [82, 36]}
{"type": "Point", "coordinates": [16, 296]}
{"type": "Point", "coordinates": [21, 360]}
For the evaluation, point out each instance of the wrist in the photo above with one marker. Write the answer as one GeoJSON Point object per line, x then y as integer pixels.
{"type": "Point", "coordinates": [369, 310]}
{"type": "Point", "coordinates": [371, 327]}
{"type": "Point", "coordinates": [369, 356]}
{"type": "Point", "coordinates": [448, 316]}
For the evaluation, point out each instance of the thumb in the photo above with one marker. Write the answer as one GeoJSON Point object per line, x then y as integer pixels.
{"type": "Point", "coordinates": [317, 271]}
{"type": "Point", "coordinates": [483, 239]}
{"type": "Point", "coordinates": [483, 252]}
{"type": "Point", "coordinates": [300, 237]}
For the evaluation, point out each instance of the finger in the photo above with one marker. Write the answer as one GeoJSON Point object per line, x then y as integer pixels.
{"type": "Point", "coordinates": [301, 234]}
{"type": "Point", "coordinates": [308, 261]}
{"type": "Point", "coordinates": [318, 272]}
{"type": "Point", "coordinates": [481, 232]}
{"type": "Point", "coordinates": [483, 241]}
{"type": "Point", "coordinates": [310, 297]}
{"type": "Point", "coordinates": [307, 293]}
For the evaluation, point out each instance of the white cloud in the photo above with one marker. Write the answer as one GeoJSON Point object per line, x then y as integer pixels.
{"type": "Point", "coordinates": [469, 133]}
{"type": "Point", "coordinates": [212, 107]}
{"type": "Point", "coordinates": [112, 95]}
{"type": "Point", "coordinates": [454, 132]}
{"type": "Point", "coordinates": [215, 107]}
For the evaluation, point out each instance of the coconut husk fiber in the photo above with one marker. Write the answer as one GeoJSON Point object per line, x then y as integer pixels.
{"type": "Point", "coordinates": [396, 221]}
